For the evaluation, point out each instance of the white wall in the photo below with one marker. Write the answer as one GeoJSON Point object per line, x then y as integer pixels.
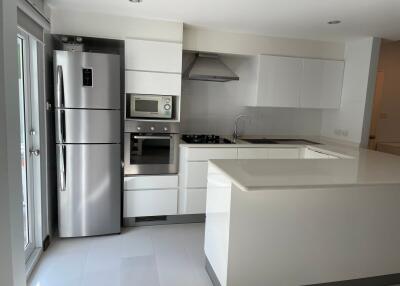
{"type": "Point", "coordinates": [12, 260]}
{"type": "Point", "coordinates": [211, 107]}
{"type": "Point", "coordinates": [113, 27]}
{"type": "Point", "coordinates": [197, 39]}
{"type": "Point", "coordinates": [347, 123]}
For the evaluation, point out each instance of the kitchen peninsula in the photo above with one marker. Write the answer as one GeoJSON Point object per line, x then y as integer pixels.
{"type": "Point", "coordinates": [301, 222]}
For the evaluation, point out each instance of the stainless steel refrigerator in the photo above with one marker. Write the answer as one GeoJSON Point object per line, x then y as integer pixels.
{"type": "Point", "coordinates": [88, 137]}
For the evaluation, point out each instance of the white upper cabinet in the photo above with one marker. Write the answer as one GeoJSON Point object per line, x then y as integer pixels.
{"type": "Point", "coordinates": [321, 83]}
{"type": "Point", "coordinates": [279, 81]}
{"type": "Point", "coordinates": [145, 55]}
{"type": "Point", "coordinates": [299, 82]}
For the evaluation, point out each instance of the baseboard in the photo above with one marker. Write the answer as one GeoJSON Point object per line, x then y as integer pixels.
{"type": "Point", "coordinates": [158, 220]}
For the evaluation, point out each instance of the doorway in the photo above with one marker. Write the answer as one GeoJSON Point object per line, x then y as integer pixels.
{"type": "Point", "coordinates": [384, 130]}
{"type": "Point", "coordinates": [28, 94]}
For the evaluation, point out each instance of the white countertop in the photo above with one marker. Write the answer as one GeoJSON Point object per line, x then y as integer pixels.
{"type": "Point", "coordinates": [365, 168]}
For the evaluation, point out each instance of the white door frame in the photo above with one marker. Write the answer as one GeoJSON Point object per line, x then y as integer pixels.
{"type": "Point", "coordinates": [32, 140]}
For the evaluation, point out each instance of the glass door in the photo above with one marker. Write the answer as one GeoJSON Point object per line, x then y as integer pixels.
{"type": "Point", "coordinates": [30, 165]}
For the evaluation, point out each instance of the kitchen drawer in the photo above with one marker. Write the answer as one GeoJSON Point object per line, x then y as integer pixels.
{"type": "Point", "coordinates": [151, 182]}
{"type": "Point", "coordinates": [152, 83]}
{"type": "Point", "coordinates": [150, 202]}
{"type": "Point", "coordinates": [253, 153]}
{"type": "Point", "coordinates": [205, 154]}
{"type": "Point", "coordinates": [284, 153]}
{"type": "Point", "coordinates": [196, 201]}
{"type": "Point", "coordinates": [158, 56]}
{"type": "Point", "coordinates": [196, 176]}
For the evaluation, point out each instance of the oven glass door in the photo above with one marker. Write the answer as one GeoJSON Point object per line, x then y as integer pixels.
{"type": "Point", "coordinates": [150, 150]}
{"type": "Point", "coordinates": [151, 154]}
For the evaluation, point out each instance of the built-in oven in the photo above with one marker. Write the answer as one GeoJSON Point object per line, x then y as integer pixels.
{"type": "Point", "coordinates": [149, 106]}
{"type": "Point", "coordinates": [151, 149]}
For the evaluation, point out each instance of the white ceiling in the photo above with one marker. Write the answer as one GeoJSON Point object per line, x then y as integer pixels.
{"type": "Point", "coordinates": [284, 18]}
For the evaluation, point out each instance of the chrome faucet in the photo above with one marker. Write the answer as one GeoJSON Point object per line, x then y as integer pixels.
{"type": "Point", "coordinates": [235, 130]}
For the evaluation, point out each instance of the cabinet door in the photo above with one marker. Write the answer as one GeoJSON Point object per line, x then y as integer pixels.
{"type": "Point", "coordinates": [196, 201]}
{"type": "Point", "coordinates": [253, 153]}
{"type": "Point", "coordinates": [311, 154]}
{"type": "Point", "coordinates": [205, 154]}
{"type": "Point", "coordinates": [144, 55]}
{"type": "Point", "coordinates": [196, 175]}
{"type": "Point", "coordinates": [321, 83]}
{"type": "Point", "coordinates": [268, 153]}
{"type": "Point", "coordinates": [151, 182]}
{"type": "Point", "coordinates": [139, 203]}
{"type": "Point", "coordinates": [152, 83]}
{"type": "Point", "coordinates": [284, 153]}
{"type": "Point", "coordinates": [279, 81]}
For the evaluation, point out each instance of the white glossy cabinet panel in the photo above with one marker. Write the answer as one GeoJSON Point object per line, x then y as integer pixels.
{"type": "Point", "coordinates": [205, 154]}
{"type": "Point", "coordinates": [284, 153]}
{"type": "Point", "coordinates": [311, 154]}
{"type": "Point", "coordinates": [151, 182]}
{"type": "Point", "coordinates": [196, 175]}
{"type": "Point", "coordinates": [299, 82]}
{"type": "Point", "coordinates": [138, 203]}
{"type": "Point", "coordinates": [321, 84]}
{"type": "Point", "coordinates": [144, 55]}
{"type": "Point", "coordinates": [279, 81]}
{"type": "Point", "coordinates": [268, 153]}
{"type": "Point", "coordinates": [152, 83]}
{"type": "Point", "coordinates": [196, 201]}
{"type": "Point", "coordinates": [253, 153]}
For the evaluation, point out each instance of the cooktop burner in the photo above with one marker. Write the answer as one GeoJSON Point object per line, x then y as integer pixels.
{"type": "Point", "coordinates": [205, 139]}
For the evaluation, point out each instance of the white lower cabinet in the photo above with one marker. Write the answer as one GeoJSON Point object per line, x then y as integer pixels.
{"type": "Point", "coordinates": [194, 164]}
{"type": "Point", "coordinates": [138, 203]}
{"type": "Point", "coordinates": [196, 201]}
{"type": "Point", "coordinates": [253, 153]}
{"type": "Point", "coordinates": [269, 153]}
{"type": "Point", "coordinates": [312, 154]}
{"type": "Point", "coordinates": [150, 196]}
{"type": "Point", "coordinates": [284, 153]}
{"type": "Point", "coordinates": [197, 174]}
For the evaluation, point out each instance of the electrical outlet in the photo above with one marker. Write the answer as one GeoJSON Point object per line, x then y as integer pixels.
{"type": "Point", "coordinates": [345, 133]}
{"type": "Point", "coordinates": [338, 132]}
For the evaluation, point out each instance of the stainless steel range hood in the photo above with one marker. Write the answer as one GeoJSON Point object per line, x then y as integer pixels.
{"type": "Point", "coordinates": [209, 67]}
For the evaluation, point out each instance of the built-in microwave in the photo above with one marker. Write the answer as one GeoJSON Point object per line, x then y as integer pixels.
{"type": "Point", "coordinates": [149, 106]}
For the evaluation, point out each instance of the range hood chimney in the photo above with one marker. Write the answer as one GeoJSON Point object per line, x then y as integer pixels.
{"type": "Point", "coordinates": [209, 67]}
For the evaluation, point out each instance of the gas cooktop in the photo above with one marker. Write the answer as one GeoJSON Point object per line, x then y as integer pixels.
{"type": "Point", "coordinates": [205, 139]}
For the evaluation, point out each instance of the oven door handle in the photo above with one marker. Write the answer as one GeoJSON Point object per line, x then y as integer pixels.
{"type": "Point", "coordinates": [151, 137]}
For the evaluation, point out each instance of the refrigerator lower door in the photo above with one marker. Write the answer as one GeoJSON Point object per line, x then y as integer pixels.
{"type": "Point", "coordinates": [88, 126]}
{"type": "Point", "coordinates": [89, 189]}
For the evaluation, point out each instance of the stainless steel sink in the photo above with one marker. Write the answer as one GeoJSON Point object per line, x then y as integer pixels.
{"type": "Point", "coordinates": [280, 141]}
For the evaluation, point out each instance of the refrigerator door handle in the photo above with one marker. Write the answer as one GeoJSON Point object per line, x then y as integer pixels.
{"type": "Point", "coordinates": [60, 87]}
{"type": "Point", "coordinates": [63, 168]}
{"type": "Point", "coordinates": [61, 126]}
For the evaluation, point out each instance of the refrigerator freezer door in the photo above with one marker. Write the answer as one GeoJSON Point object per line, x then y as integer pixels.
{"type": "Point", "coordinates": [88, 126]}
{"type": "Point", "coordinates": [89, 189]}
{"type": "Point", "coordinates": [86, 80]}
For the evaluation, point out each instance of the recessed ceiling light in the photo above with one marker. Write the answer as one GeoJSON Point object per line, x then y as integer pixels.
{"type": "Point", "coordinates": [135, 1]}
{"type": "Point", "coordinates": [334, 22]}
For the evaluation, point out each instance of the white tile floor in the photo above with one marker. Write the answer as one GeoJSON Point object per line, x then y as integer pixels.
{"type": "Point", "coordinates": [167, 255]}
